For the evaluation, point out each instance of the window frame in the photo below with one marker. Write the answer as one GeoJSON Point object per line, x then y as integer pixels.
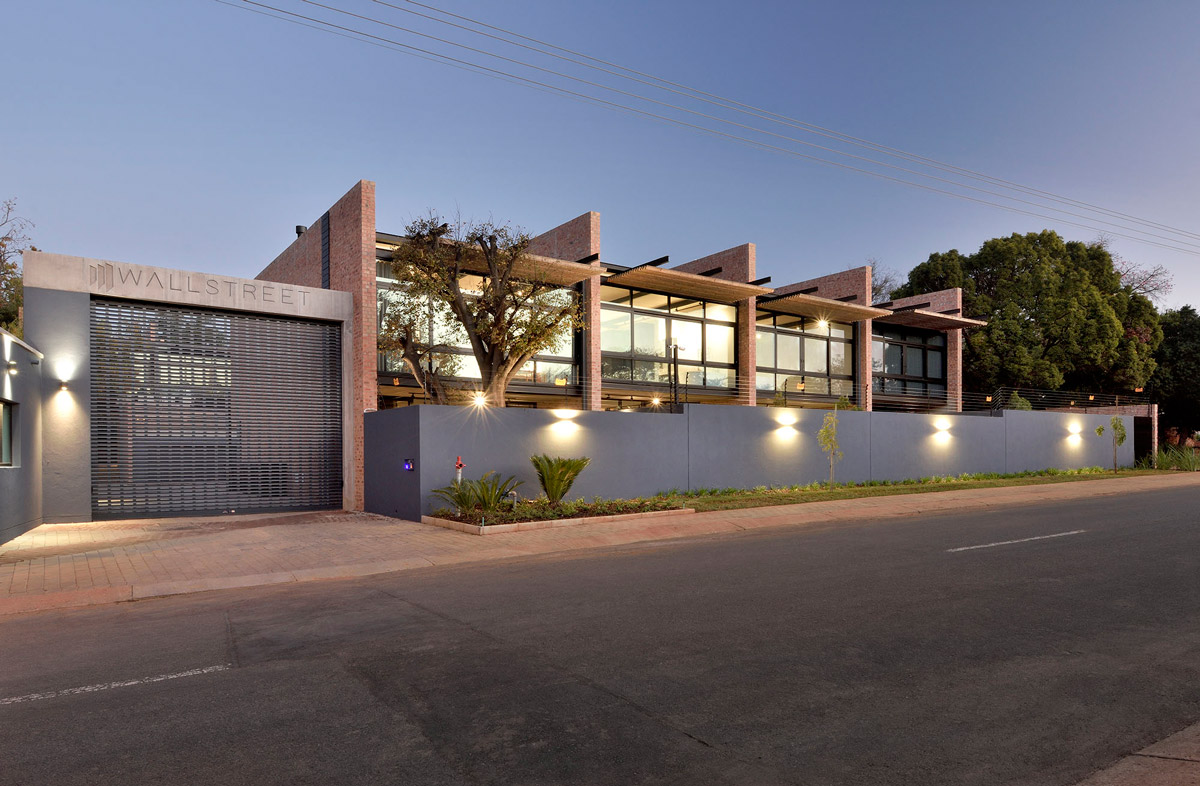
{"type": "Point", "coordinates": [767, 323]}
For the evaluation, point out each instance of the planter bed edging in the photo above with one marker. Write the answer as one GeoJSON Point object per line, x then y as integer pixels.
{"type": "Point", "coordinates": [524, 526]}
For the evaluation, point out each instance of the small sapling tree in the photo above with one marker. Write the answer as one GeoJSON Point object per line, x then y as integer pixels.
{"type": "Point", "coordinates": [828, 438]}
{"type": "Point", "coordinates": [1116, 427]}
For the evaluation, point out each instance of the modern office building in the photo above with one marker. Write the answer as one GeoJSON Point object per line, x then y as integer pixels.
{"type": "Point", "coordinates": [740, 341]}
{"type": "Point", "coordinates": [148, 391]}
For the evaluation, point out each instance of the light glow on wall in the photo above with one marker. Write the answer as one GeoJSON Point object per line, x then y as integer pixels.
{"type": "Point", "coordinates": [786, 419]}
{"type": "Point", "coordinates": [564, 414]}
{"type": "Point", "coordinates": [786, 433]}
{"type": "Point", "coordinates": [563, 428]}
{"type": "Point", "coordinates": [1076, 438]}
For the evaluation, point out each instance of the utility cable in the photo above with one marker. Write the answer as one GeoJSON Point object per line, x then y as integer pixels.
{"type": "Point", "coordinates": [729, 103]}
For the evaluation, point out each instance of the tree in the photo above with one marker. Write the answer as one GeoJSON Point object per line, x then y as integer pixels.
{"type": "Point", "coordinates": [471, 287]}
{"type": "Point", "coordinates": [1058, 314]}
{"type": "Point", "coordinates": [1117, 428]}
{"type": "Point", "coordinates": [1174, 384]}
{"type": "Point", "coordinates": [884, 279]}
{"type": "Point", "coordinates": [13, 243]}
{"type": "Point", "coordinates": [828, 439]}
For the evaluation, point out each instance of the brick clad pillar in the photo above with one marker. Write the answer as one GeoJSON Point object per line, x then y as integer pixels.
{"type": "Point", "coordinates": [572, 241]}
{"type": "Point", "coordinates": [862, 363]}
{"type": "Point", "coordinates": [747, 352]}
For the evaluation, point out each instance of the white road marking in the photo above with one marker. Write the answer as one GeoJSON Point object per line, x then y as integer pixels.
{"type": "Point", "coordinates": [110, 685]}
{"type": "Point", "coordinates": [1022, 540]}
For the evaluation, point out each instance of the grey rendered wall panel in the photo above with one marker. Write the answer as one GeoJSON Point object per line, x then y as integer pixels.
{"type": "Point", "coordinates": [57, 323]}
{"type": "Point", "coordinates": [1037, 440]}
{"type": "Point", "coordinates": [638, 454]}
{"type": "Point", "coordinates": [390, 437]}
{"type": "Point", "coordinates": [764, 446]}
{"type": "Point", "coordinates": [21, 483]}
{"type": "Point", "coordinates": [633, 454]}
{"type": "Point", "coordinates": [907, 445]}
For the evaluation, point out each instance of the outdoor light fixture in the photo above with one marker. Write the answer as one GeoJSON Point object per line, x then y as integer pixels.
{"type": "Point", "coordinates": [12, 367]}
{"type": "Point", "coordinates": [479, 400]}
{"type": "Point", "coordinates": [989, 399]}
{"type": "Point", "coordinates": [62, 385]}
{"type": "Point", "coordinates": [786, 419]}
{"type": "Point", "coordinates": [408, 465]}
{"type": "Point", "coordinates": [1091, 398]}
{"type": "Point", "coordinates": [564, 414]}
{"type": "Point", "coordinates": [942, 424]}
{"type": "Point", "coordinates": [561, 382]}
{"type": "Point", "coordinates": [654, 402]}
{"type": "Point", "coordinates": [822, 324]}
{"type": "Point", "coordinates": [1074, 428]}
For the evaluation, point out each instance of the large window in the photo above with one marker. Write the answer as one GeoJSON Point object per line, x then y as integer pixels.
{"type": "Point", "coordinates": [638, 328]}
{"type": "Point", "coordinates": [555, 366]}
{"type": "Point", "coordinates": [802, 356]}
{"type": "Point", "coordinates": [6, 434]}
{"type": "Point", "coordinates": [908, 362]}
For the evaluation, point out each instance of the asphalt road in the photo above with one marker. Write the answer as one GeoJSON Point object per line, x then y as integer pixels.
{"type": "Point", "coordinates": [866, 653]}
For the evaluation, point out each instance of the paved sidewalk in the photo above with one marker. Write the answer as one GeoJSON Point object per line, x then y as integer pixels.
{"type": "Point", "coordinates": [1173, 762]}
{"type": "Point", "coordinates": [60, 565]}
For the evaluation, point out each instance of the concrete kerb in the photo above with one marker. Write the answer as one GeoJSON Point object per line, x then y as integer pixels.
{"type": "Point", "coordinates": [510, 545]}
{"type": "Point", "coordinates": [529, 526]}
{"type": "Point", "coordinates": [1174, 761]}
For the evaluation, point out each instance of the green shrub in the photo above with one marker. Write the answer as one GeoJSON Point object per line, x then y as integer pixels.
{"type": "Point", "coordinates": [1016, 401]}
{"type": "Point", "coordinates": [557, 474]}
{"type": "Point", "coordinates": [488, 495]}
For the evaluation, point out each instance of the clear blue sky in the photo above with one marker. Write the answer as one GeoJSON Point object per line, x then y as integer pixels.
{"type": "Point", "coordinates": [191, 134]}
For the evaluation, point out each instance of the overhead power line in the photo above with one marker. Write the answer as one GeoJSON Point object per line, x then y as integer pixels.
{"type": "Point", "coordinates": [388, 43]}
{"type": "Point", "coordinates": [754, 129]}
{"type": "Point", "coordinates": [766, 114]}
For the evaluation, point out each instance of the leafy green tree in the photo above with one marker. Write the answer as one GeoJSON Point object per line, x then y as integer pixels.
{"type": "Point", "coordinates": [471, 286]}
{"type": "Point", "coordinates": [1117, 429]}
{"type": "Point", "coordinates": [13, 243]}
{"type": "Point", "coordinates": [828, 439]}
{"type": "Point", "coordinates": [1058, 314]}
{"type": "Point", "coordinates": [1176, 381]}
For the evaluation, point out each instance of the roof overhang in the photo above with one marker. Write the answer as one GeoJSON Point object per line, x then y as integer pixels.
{"type": "Point", "coordinates": [805, 305]}
{"type": "Point", "coordinates": [930, 320]}
{"type": "Point", "coordinates": [693, 285]}
{"type": "Point", "coordinates": [529, 267]}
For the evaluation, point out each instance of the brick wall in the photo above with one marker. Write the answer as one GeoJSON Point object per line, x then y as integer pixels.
{"type": "Point", "coordinates": [945, 300]}
{"type": "Point", "coordinates": [737, 264]}
{"type": "Point", "coordinates": [351, 269]}
{"type": "Point", "coordinates": [572, 241]}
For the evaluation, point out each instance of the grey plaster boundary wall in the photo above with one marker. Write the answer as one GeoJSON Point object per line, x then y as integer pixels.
{"type": "Point", "coordinates": [642, 453]}
{"type": "Point", "coordinates": [21, 481]}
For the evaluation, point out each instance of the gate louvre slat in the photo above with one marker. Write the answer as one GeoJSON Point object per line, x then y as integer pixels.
{"type": "Point", "coordinates": [196, 411]}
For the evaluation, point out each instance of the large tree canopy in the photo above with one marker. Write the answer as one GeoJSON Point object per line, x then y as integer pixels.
{"type": "Point", "coordinates": [468, 287]}
{"type": "Point", "coordinates": [1058, 314]}
{"type": "Point", "coordinates": [13, 243]}
{"type": "Point", "coordinates": [1175, 383]}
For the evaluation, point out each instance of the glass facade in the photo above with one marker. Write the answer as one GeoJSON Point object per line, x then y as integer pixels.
{"type": "Point", "coordinates": [802, 356]}
{"type": "Point", "coordinates": [555, 367]}
{"type": "Point", "coordinates": [908, 362]}
{"type": "Point", "coordinates": [638, 328]}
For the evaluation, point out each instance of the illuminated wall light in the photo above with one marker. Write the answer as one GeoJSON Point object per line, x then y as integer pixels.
{"type": "Point", "coordinates": [1091, 398]}
{"type": "Point", "coordinates": [564, 414]}
{"type": "Point", "coordinates": [822, 324]}
{"type": "Point", "coordinates": [408, 465]}
{"type": "Point", "coordinates": [479, 400]}
{"type": "Point", "coordinates": [786, 419]}
{"type": "Point", "coordinates": [942, 424]}
{"type": "Point", "coordinates": [62, 385]}
{"type": "Point", "coordinates": [1075, 440]}
{"type": "Point", "coordinates": [564, 428]}
{"type": "Point", "coordinates": [1075, 428]}
{"type": "Point", "coordinates": [12, 367]}
{"type": "Point", "coordinates": [561, 382]}
{"type": "Point", "coordinates": [786, 432]}
{"type": "Point", "coordinates": [656, 401]}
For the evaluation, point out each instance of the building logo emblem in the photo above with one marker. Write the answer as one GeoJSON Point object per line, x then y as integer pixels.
{"type": "Point", "coordinates": [101, 277]}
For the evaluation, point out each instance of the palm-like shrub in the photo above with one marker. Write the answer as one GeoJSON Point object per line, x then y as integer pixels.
{"type": "Point", "coordinates": [486, 495]}
{"type": "Point", "coordinates": [557, 474]}
{"type": "Point", "coordinates": [491, 491]}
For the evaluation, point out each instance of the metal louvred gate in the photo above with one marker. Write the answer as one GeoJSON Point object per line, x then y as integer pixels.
{"type": "Point", "coordinates": [195, 411]}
